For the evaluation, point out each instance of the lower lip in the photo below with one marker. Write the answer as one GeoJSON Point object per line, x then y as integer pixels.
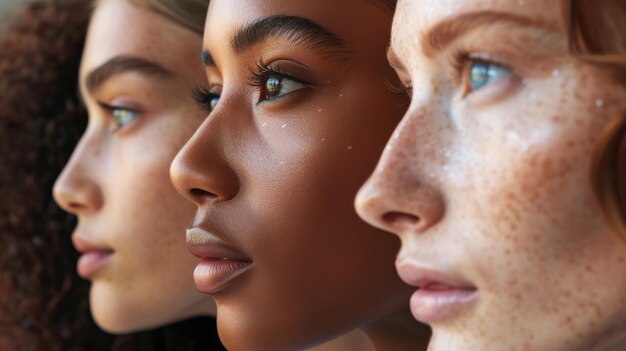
{"type": "Point", "coordinates": [430, 306]}
{"type": "Point", "coordinates": [213, 276]}
{"type": "Point", "coordinates": [91, 262]}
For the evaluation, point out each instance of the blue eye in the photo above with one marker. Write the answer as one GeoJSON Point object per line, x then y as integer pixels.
{"type": "Point", "coordinates": [276, 86]}
{"type": "Point", "coordinates": [483, 73]}
{"type": "Point", "coordinates": [123, 116]}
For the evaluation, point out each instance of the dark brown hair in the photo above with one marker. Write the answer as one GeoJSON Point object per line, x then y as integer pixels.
{"type": "Point", "coordinates": [42, 302]}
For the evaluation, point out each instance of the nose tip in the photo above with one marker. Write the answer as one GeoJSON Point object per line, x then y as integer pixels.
{"type": "Point", "coordinates": [76, 193]}
{"type": "Point", "coordinates": [202, 177]}
{"type": "Point", "coordinates": [399, 207]}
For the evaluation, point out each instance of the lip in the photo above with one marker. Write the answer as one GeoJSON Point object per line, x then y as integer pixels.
{"type": "Point", "coordinates": [439, 296]}
{"type": "Point", "coordinates": [93, 257]}
{"type": "Point", "coordinates": [220, 264]}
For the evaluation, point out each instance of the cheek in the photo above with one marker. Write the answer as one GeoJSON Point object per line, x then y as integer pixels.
{"type": "Point", "coordinates": [526, 175]}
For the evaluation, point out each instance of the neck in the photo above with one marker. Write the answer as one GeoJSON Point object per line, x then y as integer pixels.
{"type": "Point", "coordinates": [398, 332]}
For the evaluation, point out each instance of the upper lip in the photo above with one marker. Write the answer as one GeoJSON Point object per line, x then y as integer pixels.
{"type": "Point", "coordinates": [83, 245]}
{"type": "Point", "coordinates": [424, 278]}
{"type": "Point", "coordinates": [206, 245]}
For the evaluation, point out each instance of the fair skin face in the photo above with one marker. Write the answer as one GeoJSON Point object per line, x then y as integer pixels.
{"type": "Point", "coordinates": [487, 180]}
{"type": "Point", "coordinates": [274, 170]}
{"type": "Point", "coordinates": [135, 84]}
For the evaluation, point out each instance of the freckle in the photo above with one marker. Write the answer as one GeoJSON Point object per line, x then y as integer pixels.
{"type": "Point", "coordinates": [558, 119]}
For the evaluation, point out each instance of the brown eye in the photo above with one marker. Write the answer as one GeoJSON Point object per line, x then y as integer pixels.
{"type": "Point", "coordinates": [273, 86]}
{"type": "Point", "coordinates": [276, 86]}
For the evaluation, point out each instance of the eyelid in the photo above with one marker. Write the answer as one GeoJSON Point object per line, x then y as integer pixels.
{"type": "Point", "coordinates": [111, 108]}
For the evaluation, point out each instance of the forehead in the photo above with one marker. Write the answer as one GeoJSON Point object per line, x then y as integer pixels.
{"type": "Point", "coordinates": [225, 17]}
{"type": "Point", "coordinates": [414, 18]}
{"type": "Point", "coordinates": [122, 28]}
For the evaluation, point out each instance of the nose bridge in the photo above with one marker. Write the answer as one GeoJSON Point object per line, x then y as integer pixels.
{"type": "Point", "coordinates": [413, 145]}
{"type": "Point", "coordinates": [78, 188]}
{"type": "Point", "coordinates": [403, 194]}
{"type": "Point", "coordinates": [200, 171]}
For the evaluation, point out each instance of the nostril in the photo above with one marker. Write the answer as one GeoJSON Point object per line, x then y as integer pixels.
{"type": "Point", "coordinates": [199, 193]}
{"type": "Point", "coordinates": [400, 219]}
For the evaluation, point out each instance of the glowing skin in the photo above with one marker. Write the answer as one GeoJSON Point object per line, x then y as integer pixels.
{"type": "Point", "coordinates": [487, 183]}
{"type": "Point", "coordinates": [274, 179]}
{"type": "Point", "coordinates": [131, 221]}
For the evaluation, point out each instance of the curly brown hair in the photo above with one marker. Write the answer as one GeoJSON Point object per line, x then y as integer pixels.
{"type": "Point", "coordinates": [43, 303]}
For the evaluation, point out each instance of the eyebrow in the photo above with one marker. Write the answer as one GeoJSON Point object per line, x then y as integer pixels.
{"type": "Point", "coordinates": [122, 64]}
{"type": "Point", "coordinates": [445, 32]}
{"type": "Point", "coordinates": [298, 30]}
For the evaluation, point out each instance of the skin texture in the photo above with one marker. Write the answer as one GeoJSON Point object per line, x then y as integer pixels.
{"type": "Point", "coordinates": [117, 181]}
{"type": "Point", "coordinates": [493, 187]}
{"type": "Point", "coordinates": [275, 180]}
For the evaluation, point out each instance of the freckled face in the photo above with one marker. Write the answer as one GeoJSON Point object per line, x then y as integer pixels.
{"type": "Point", "coordinates": [275, 168]}
{"type": "Point", "coordinates": [487, 178]}
{"type": "Point", "coordinates": [117, 181]}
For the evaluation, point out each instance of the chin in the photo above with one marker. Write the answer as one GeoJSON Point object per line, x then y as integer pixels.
{"type": "Point", "coordinates": [117, 315]}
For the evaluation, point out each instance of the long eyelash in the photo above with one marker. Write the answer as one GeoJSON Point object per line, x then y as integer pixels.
{"type": "Point", "coordinates": [460, 59]}
{"type": "Point", "coordinates": [203, 96]}
{"type": "Point", "coordinates": [258, 73]}
{"type": "Point", "coordinates": [404, 93]}
{"type": "Point", "coordinates": [261, 71]}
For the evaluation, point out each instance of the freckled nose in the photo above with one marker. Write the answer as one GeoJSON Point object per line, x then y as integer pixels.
{"type": "Point", "coordinates": [398, 198]}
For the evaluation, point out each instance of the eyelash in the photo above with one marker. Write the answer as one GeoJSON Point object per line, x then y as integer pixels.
{"type": "Point", "coordinates": [204, 97]}
{"type": "Point", "coordinates": [403, 92]}
{"type": "Point", "coordinates": [462, 61]}
{"type": "Point", "coordinates": [111, 110]}
{"type": "Point", "coordinates": [260, 73]}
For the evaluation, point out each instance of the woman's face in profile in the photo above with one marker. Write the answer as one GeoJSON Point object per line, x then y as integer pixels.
{"type": "Point", "coordinates": [303, 114]}
{"type": "Point", "coordinates": [487, 179]}
{"type": "Point", "coordinates": [135, 83]}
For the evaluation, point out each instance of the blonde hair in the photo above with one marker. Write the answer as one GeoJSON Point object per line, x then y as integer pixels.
{"type": "Point", "coordinates": [597, 34]}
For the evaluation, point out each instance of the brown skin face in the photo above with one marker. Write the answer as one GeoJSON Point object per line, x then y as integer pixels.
{"type": "Point", "coordinates": [275, 179]}
{"type": "Point", "coordinates": [487, 179]}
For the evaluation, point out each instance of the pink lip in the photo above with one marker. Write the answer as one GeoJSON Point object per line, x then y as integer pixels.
{"type": "Point", "coordinates": [91, 262]}
{"type": "Point", "coordinates": [93, 259]}
{"type": "Point", "coordinates": [439, 296]}
{"type": "Point", "coordinates": [220, 265]}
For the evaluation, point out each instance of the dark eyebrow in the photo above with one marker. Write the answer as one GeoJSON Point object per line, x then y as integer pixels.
{"type": "Point", "coordinates": [298, 30]}
{"type": "Point", "coordinates": [122, 64]}
{"type": "Point", "coordinates": [445, 32]}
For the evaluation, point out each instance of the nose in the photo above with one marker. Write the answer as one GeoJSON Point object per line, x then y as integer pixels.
{"type": "Point", "coordinates": [77, 189]}
{"type": "Point", "coordinates": [401, 196]}
{"type": "Point", "coordinates": [201, 172]}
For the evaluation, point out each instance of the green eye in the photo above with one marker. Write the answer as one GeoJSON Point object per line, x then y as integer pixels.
{"type": "Point", "coordinates": [276, 86]}
{"type": "Point", "coordinates": [482, 73]}
{"type": "Point", "coordinates": [124, 116]}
